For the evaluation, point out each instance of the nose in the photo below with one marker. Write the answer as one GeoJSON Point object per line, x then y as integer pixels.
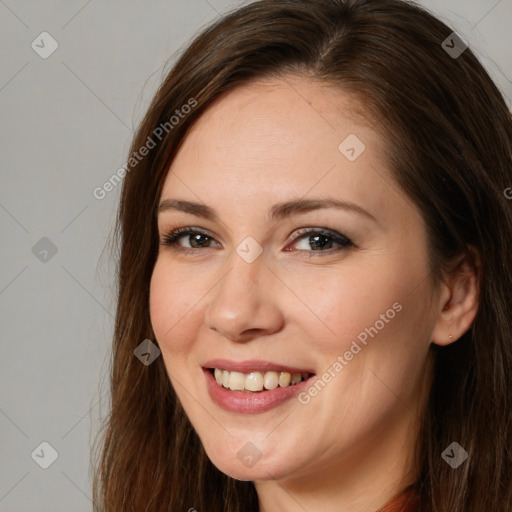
{"type": "Point", "coordinates": [244, 304]}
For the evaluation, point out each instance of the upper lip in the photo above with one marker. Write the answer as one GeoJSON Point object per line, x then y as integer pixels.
{"type": "Point", "coordinates": [253, 365]}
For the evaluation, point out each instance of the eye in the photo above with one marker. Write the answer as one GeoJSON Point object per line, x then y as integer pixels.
{"type": "Point", "coordinates": [320, 240]}
{"type": "Point", "coordinates": [312, 240]}
{"type": "Point", "coordinates": [196, 238]}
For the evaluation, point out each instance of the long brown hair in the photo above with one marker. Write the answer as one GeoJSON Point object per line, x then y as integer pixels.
{"type": "Point", "coordinates": [449, 136]}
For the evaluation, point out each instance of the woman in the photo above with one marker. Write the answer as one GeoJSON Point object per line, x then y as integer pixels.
{"type": "Point", "coordinates": [370, 374]}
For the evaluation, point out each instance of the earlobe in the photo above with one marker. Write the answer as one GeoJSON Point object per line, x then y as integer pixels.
{"type": "Point", "coordinates": [458, 301]}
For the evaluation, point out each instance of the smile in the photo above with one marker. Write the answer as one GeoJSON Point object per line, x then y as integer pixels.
{"type": "Point", "coordinates": [255, 381]}
{"type": "Point", "coordinates": [253, 386]}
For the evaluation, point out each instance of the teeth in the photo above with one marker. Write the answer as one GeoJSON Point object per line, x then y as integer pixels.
{"type": "Point", "coordinates": [270, 380]}
{"type": "Point", "coordinates": [284, 379]}
{"type": "Point", "coordinates": [257, 381]}
{"type": "Point", "coordinates": [254, 381]}
{"type": "Point", "coordinates": [295, 378]}
{"type": "Point", "coordinates": [225, 379]}
{"type": "Point", "coordinates": [236, 381]}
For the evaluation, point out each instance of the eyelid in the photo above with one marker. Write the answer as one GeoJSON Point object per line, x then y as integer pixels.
{"type": "Point", "coordinates": [177, 233]}
{"type": "Point", "coordinates": [301, 232]}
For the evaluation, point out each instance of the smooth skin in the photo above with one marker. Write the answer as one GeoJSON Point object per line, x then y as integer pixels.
{"type": "Point", "coordinates": [303, 300]}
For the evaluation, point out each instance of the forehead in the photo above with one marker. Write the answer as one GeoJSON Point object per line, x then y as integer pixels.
{"type": "Point", "coordinates": [279, 138]}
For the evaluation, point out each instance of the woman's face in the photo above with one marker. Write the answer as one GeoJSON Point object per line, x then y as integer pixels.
{"type": "Point", "coordinates": [277, 281]}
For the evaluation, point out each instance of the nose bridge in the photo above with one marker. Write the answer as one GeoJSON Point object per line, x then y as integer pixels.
{"type": "Point", "coordinates": [239, 289]}
{"type": "Point", "coordinates": [242, 300]}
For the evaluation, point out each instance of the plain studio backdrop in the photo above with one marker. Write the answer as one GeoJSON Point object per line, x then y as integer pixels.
{"type": "Point", "coordinates": [75, 79]}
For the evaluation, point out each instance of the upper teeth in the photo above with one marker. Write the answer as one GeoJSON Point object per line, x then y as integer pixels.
{"type": "Point", "coordinates": [256, 381]}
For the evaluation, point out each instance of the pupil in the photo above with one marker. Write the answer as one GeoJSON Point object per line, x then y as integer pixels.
{"type": "Point", "coordinates": [195, 239]}
{"type": "Point", "coordinates": [316, 239]}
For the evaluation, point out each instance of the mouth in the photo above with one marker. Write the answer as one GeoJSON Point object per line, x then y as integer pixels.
{"type": "Point", "coordinates": [253, 386]}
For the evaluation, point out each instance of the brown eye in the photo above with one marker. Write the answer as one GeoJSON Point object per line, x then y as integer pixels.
{"type": "Point", "coordinates": [196, 239]}
{"type": "Point", "coordinates": [321, 240]}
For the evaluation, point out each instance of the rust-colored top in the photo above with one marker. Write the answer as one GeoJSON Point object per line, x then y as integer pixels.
{"type": "Point", "coordinates": [406, 501]}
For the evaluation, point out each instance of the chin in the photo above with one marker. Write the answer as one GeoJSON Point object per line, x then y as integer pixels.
{"type": "Point", "coordinates": [242, 459]}
{"type": "Point", "coordinates": [260, 471]}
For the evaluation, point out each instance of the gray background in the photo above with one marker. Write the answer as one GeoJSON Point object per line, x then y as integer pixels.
{"type": "Point", "coordinates": [67, 122]}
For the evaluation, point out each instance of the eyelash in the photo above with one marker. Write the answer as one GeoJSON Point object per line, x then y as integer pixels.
{"type": "Point", "coordinates": [173, 236]}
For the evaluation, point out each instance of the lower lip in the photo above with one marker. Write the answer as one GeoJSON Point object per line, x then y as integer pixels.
{"type": "Point", "coordinates": [250, 403]}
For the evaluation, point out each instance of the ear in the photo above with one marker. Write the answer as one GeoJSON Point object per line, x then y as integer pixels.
{"type": "Point", "coordinates": [458, 299]}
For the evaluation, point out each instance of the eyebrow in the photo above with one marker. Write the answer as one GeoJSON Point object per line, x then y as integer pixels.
{"type": "Point", "coordinates": [277, 212]}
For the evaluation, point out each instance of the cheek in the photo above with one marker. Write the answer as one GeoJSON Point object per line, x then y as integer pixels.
{"type": "Point", "coordinates": [343, 304]}
{"type": "Point", "coordinates": [173, 304]}
{"type": "Point", "coordinates": [376, 314]}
